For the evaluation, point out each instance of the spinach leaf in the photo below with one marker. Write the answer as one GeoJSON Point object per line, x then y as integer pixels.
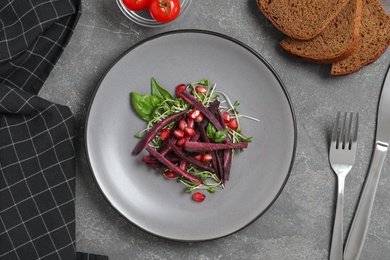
{"type": "Point", "coordinates": [220, 136]}
{"type": "Point", "coordinates": [159, 91]}
{"type": "Point", "coordinates": [210, 131]}
{"type": "Point", "coordinates": [144, 105]}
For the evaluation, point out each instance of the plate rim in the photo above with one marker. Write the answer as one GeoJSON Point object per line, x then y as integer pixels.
{"type": "Point", "coordinates": [216, 34]}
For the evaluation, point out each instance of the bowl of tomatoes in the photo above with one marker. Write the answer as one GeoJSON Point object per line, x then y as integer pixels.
{"type": "Point", "coordinates": [153, 13]}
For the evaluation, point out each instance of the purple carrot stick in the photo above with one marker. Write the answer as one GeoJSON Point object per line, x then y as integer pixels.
{"type": "Point", "coordinates": [194, 147]}
{"type": "Point", "coordinates": [195, 103]}
{"type": "Point", "coordinates": [190, 159]}
{"type": "Point", "coordinates": [153, 132]}
{"type": "Point", "coordinates": [172, 166]}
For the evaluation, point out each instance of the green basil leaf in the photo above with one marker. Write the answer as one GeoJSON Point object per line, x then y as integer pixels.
{"type": "Point", "coordinates": [159, 91]}
{"type": "Point", "coordinates": [210, 131]}
{"type": "Point", "coordinates": [144, 105]}
{"type": "Point", "coordinates": [220, 136]}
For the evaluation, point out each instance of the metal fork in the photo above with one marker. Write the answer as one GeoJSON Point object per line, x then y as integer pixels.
{"type": "Point", "coordinates": [342, 154]}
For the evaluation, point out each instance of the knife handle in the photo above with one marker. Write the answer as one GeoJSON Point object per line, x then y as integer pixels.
{"type": "Point", "coordinates": [358, 231]}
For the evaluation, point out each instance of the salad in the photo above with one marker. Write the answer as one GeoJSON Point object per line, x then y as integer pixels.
{"type": "Point", "coordinates": [190, 137]}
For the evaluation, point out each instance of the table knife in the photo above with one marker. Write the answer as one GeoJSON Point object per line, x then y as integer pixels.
{"type": "Point", "coordinates": [359, 227]}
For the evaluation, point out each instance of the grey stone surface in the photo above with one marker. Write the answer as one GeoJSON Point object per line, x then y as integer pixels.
{"type": "Point", "coordinates": [299, 223]}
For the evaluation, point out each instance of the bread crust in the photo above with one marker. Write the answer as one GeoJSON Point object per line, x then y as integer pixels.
{"type": "Point", "coordinates": [301, 19]}
{"type": "Point", "coordinates": [335, 43]}
{"type": "Point", "coordinates": [373, 41]}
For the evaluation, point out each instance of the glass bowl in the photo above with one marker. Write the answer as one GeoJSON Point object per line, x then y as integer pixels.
{"type": "Point", "coordinates": [143, 17]}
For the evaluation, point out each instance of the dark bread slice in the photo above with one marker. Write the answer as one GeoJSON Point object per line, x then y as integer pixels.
{"type": "Point", "coordinates": [373, 41]}
{"type": "Point", "coordinates": [335, 43]}
{"type": "Point", "coordinates": [301, 19]}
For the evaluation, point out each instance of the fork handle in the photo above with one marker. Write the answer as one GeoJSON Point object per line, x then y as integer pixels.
{"type": "Point", "coordinates": [336, 248]}
{"type": "Point", "coordinates": [358, 231]}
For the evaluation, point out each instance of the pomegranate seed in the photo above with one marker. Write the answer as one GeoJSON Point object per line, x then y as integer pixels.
{"type": "Point", "coordinates": [190, 122]}
{"type": "Point", "coordinates": [198, 157]}
{"type": "Point", "coordinates": [201, 89]}
{"type": "Point", "coordinates": [182, 124]}
{"type": "Point", "coordinates": [180, 88]}
{"type": "Point", "coordinates": [178, 133]}
{"type": "Point", "coordinates": [194, 113]}
{"type": "Point", "coordinates": [199, 118]}
{"type": "Point", "coordinates": [170, 174]}
{"type": "Point", "coordinates": [206, 157]}
{"type": "Point", "coordinates": [233, 124]}
{"type": "Point", "coordinates": [189, 131]}
{"type": "Point", "coordinates": [181, 143]}
{"type": "Point", "coordinates": [198, 196]}
{"type": "Point", "coordinates": [164, 134]}
{"type": "Point", "coordinates": [226, 117]}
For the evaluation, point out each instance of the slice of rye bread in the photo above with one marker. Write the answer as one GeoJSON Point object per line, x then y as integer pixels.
{"type": "Point", "coordinates": [301, 19]}
{"type": "Point", "coordinates": [373, 41]}
{"type": "Point", "coordinates": [335, 43]}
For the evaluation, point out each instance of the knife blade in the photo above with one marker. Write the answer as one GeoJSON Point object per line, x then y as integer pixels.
{"type": "Point", "coordinates": [359, 227]}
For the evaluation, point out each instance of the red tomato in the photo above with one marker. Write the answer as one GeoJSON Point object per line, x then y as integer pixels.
{"type": "Point", "coordinates": [136, 5]}
{"type": "Point", "coordinates": [164, 10]}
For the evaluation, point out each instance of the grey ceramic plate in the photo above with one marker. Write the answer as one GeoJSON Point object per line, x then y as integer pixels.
{"type": "Point", "coordinates": [161, 206]}
{"type": "Point", "coordinates": [386, 5]}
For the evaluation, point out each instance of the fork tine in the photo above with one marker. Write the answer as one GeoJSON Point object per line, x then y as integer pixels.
{"type": "Point", "coordinates": [355, 132]}
{"type": "Point", "coordinates": [348, 140]}
{"type": "Point", "coordinates": [335, 134]}
{"type": "Point", "coordinates": [351, 132]}
{"type": "Point", "coordinates": [344, 132]}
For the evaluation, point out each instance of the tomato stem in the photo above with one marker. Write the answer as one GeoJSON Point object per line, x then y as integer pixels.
{"type": "Point", "coordinates": [165, 5]}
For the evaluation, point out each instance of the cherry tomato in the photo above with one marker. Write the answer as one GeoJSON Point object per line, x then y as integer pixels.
{"type": "Point", "coordinates": [136, 5]}
{"type": "Point", "coordinates": [164, 10]}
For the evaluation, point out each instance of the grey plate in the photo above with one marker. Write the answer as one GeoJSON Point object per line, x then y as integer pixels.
{"type": "Point", "coordinates": [158, 205]}
{"type": "Point", "coordinates": [386, 5]}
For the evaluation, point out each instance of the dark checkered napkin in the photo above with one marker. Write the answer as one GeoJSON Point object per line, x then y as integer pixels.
{"type": "Point", "coordinates": [37, 157]}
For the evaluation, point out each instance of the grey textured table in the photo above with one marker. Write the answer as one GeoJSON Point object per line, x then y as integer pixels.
{"type": "Point", "coordinates": [299, 223]}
